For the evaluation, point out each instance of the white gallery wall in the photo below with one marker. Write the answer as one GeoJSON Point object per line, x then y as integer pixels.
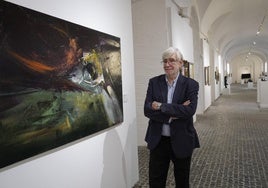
{"type": "Point", "coordinates": [181, 33]}
{"type": "Point", "coordinates": [217, 66]}
{"type": "Point", "coordinates": [150, 35]}
{"type": "Point", "coordinates": [156, 26]}
{"type": "Point", "coordinates": [221, 71]}
{"type": "Point", "coordinates": [207, 88]}
{"type": "Point", "coordinates": [239, 66]}
{"type": "Point", "coordinates": [106, 159]}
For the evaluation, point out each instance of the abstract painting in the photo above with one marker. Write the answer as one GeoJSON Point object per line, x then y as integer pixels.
{"type": "Point", "coordinates": [59, 82]}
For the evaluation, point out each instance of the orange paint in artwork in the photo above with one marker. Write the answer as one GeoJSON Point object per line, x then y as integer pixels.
{"type": "Point", "coordinates": [60, 30]}
{"type": "Point", "coordinates": [34, 65]}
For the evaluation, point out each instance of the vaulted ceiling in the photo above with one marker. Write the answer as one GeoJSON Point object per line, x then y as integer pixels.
{"type": "Point", "coordinates": [231, 26]}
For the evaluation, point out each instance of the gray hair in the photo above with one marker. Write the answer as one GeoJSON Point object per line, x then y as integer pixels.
{"type": "Point", "coordinates": [170, 51]}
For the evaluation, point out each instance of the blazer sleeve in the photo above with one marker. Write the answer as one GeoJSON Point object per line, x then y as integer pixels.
{"type": "Point", "coordinates": [153, 94]}
{"type": "Point", "coordinates": [178, 110]}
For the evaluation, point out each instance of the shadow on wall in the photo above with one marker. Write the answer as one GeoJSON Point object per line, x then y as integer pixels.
{"type": "Point", "coordinates": [131, 155]}
{"type": "Point", "coordinates": [120, 165]}
{"type": "Point", "coordinates": [114, 167]}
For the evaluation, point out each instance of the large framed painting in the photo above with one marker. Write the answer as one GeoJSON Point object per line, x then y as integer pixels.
{"type": "Point", "coordinates": [59, 82]}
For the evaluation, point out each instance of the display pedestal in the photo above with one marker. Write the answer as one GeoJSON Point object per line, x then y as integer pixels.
{"type": "Point", "coordinates": [262, 94]}
{"type": "Point", "coordinates": [250, 85]}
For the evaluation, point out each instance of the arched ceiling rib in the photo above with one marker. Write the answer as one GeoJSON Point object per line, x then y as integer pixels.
{"type": "Point", "coordinates": [231, 26]}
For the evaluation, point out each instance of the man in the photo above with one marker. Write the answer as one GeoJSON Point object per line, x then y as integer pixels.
{"type": "Point", "coordinates": [170, 104]}
{"type": "Point", "coordinates": [225, 81]}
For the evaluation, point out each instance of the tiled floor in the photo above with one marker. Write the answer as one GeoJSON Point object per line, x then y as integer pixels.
{"type": "Point", "coordinates": [234, 144]}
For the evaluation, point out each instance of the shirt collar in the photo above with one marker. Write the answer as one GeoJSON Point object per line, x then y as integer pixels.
{"type": "Point", "coordinates": [174, 81]}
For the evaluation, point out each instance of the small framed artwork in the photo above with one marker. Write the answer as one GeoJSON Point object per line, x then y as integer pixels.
{"type": "Point", "coordinates": [206, 75]}
{"type": "Point", "coordinates": [217, 75]}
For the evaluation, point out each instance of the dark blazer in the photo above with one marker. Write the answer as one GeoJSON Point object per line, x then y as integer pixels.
{"type": "Point", "coordinates": [182, 132]}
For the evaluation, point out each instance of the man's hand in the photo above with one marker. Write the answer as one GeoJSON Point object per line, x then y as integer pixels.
{"type": "Point", "coordinates": [156, 105]}
{"type": "Point", "coordinates": [186, 103]}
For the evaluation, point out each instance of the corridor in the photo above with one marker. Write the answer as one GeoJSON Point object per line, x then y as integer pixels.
{"type": "Point", "coordinates": [234, 151]}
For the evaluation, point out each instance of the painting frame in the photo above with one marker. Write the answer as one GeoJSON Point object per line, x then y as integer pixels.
{"type": "Point", "coordinates": [188, 69]}
{"type": "Point", "coordinates": [59, 82]}
{"type": "Point", "coordinates": [217, 75]}
{"type": "Point", "coordinates": [207, 75]}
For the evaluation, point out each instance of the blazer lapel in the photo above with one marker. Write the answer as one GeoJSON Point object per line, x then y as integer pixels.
{"type": "Point", "coordinates": [163, 88]}
{"type": "Point", "coordinates": [177, 96]}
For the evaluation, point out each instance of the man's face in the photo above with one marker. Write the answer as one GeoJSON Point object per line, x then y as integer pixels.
{"type": "Point", "coordinates": [172, 66]}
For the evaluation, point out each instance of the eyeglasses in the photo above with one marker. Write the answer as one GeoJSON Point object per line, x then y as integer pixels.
{"type": "Point", "coordinates": [171, 61]}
